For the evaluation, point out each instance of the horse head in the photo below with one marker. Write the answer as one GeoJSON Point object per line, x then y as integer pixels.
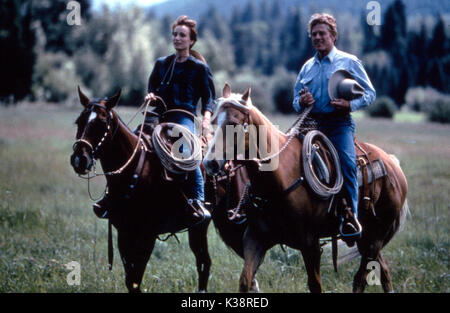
{"type": "Point", "coordinates": [230, 141]}
{"type": "Point", "coordinates": [94, 128]}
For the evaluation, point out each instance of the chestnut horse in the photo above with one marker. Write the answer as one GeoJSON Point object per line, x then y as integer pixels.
{"type": "Point", "coordinates": [298, 218]}
{"type": "Point", "coordinates": [139, 220]}
{"type": "Point", "coordinates": [142, 204]}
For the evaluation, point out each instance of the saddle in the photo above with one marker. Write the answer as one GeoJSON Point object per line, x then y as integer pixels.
{"type": "Point", "coordinates": [368, 171]}
{"type": "Point", "coordinates": [323, 167]}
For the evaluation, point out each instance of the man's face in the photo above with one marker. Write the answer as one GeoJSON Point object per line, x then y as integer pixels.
{"type": "Point", "coordinates": [322, 39]}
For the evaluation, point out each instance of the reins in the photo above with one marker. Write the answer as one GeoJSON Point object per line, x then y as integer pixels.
{"type": "Point", "coordinates": [294, 131]}
{"type": "Point", "coordinates": [139, 143]}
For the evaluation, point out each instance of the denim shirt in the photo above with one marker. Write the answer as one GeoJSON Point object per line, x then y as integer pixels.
{"type": "Point", "coordinates": [315, 75]}
{"type": "Point", "coordinates": [182, 88]}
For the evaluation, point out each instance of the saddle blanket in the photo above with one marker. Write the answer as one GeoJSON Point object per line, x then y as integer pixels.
{"type": "Point", "coordinates": [378, 170]}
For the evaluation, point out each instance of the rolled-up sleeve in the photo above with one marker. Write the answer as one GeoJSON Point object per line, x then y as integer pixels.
{"type": "Point", "coordinates": [208, 91]}
{"type": "Point", "coordinates": [360, 75]}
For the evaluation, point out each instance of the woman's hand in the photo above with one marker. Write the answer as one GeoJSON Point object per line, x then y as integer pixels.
{"type": "Point", "coordinates": [205, 124]}
{"type": "Point", "coordinates": [150, 96]}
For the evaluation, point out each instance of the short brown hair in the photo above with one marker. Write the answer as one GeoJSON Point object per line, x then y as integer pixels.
{"type": "Point", "coordinates": [323, 18]}
{"type": "Point", "coordinates": [190, 23]}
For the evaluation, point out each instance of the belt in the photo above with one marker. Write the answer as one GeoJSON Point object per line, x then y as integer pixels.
{"type": "Point", "coordinates": [331, 115]}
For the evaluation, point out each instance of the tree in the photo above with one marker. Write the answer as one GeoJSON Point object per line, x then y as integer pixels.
{"type": "Point", "coordinates": [370, 41]}
{"type": "Point", "coordinates": [439, 44]}
{"type": "Point", "coordinates": [215, 23]}
{"type": "Point", "coordinates": [249, 14]}
{"type": "Point", "coordinates": [17, 56]}
{"type": "Point", "coordinates": [393, 30]}
{"type": "Point", "coordinates": [293, 41]}
{"type": "Point", "coordinates": [52, 15]}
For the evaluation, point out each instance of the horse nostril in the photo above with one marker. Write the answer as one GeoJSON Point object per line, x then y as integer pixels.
{"type": "Point", "coordinates": [76, 162]}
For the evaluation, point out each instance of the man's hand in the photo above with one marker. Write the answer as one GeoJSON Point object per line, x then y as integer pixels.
{"type": "Point", "coordinates": [306, 99]}
{"type": "Point", "coordinates": [341, 104]}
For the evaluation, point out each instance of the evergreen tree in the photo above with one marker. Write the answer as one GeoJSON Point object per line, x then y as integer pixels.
{"type": "Point", "coordinates": [294, 37]}
{"type": "Point", "coordinates": [393, 30]}
{"type": "Point", "coordinates": [17, 57]}
{"type": "Point", "coordinates": [439, 44]}
{"type": "Point", "coordinates": [215, 23]}
{"type": "Point", "coordinates": [370, 41]}
{"type": "Point", "coordinates": [52, 16]}
{"type": "Point", "coordinates": [249, 14]}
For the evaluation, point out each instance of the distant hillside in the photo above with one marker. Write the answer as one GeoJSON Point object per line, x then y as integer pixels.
{"type": "Point", "coordinates": [195, 8]}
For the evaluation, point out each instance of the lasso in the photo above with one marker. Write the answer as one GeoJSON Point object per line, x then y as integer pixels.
{"type": "Point", "coordinates": [316, 185]}
{"type": "Point", "coordinates": [172, 161]}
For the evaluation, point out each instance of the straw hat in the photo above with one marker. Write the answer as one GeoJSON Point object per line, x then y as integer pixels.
{"type": "Point", "coordinates": [342, 86]}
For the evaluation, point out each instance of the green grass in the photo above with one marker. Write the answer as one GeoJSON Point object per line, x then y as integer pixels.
{"type": "Point", "coordinates": [46, 219]}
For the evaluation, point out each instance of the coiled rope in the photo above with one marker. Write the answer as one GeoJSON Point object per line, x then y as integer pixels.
{"type": "Point", "coordinates": [171, 159]}
{"type": "Point", "coordinates": [316, 185]}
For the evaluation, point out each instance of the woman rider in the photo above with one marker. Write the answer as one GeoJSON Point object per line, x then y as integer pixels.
{"type": "Point", "coordinates": [181, 79]}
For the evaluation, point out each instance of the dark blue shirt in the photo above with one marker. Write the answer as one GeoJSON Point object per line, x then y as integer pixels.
{"type": "Point", "coordinates": [183, 85]}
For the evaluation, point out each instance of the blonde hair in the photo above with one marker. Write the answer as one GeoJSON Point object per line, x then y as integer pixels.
{"type": "Point", "coordinates": [323, 18]}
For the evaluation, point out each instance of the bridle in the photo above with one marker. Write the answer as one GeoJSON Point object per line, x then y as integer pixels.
{"type": "Point", "coordinates": [94, 150]}
{"type": "Point", "coordinates": [293, 133]}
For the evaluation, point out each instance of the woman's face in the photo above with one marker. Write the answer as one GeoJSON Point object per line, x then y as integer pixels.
{"type": "Point", "coordinates": [181, 38]}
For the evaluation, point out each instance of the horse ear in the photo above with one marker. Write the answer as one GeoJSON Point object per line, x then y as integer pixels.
{"type": "Point", "coordinates": [83, 98]}
{"type": "Point", "coordinates": [246, 95]}
{"type": "Point", "coordinates": [111, 102]}
{"type": "Point", "coordinates": [226, 91]}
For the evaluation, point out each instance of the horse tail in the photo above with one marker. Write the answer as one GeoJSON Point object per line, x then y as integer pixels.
{"type": "Point", "coordinates": [404, 212]}
{"type": "Point", "coordinates": [400, 221]}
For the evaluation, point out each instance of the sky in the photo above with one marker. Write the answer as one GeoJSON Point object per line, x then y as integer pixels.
{"type": "Point", "coordinates": [96, 4]}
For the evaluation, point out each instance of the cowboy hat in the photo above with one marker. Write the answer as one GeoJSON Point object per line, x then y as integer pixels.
{"type": "Point", "coordinates": [342, 85]}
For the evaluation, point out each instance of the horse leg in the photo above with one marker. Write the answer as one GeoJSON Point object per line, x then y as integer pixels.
{"type": "Point", "coordinates": [311, 257]}
{"type": "Point", "coordinates": [254, 252]}
{"type": "Point", "coordinates": [198, 241]}
{"type": "Point", "coordinates": [135, 252]}
{"type": "Point", "coordinates": [369, 252]}
{"type": "Point", "coordinates": [255, 286]}
{"type": "Point", "coordinates": [385, 274]}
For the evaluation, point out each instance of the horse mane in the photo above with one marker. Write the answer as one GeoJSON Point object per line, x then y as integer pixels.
{"type": "Point", "coordinates": [236, 98]}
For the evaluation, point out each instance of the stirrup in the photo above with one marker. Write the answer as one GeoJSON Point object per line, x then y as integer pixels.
{"type": "Point", "coordinates": [200, 212]}
{"type": "Point", "coordinates": [100, 211]}
{"type": "Point", "coordinates": [357, 231]}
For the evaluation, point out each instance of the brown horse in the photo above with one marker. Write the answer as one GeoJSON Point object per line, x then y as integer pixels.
{"type": "Point", "coordinates": [141, 204]}
{"type": "Point", "coordinates": [298, 218]}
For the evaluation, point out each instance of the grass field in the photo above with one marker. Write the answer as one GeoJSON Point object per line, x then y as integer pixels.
{"type": "Point", "coordinates": [46, 219]}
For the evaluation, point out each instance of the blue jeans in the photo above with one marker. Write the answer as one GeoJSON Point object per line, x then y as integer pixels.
{"type": "Point", "coordinates": [193, 187]}
{"type": "Point", "coordinates": [340, 131]}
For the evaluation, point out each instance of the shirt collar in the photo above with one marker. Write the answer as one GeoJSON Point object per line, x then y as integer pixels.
{"type": "Point", "coordinates": [330, 55]}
